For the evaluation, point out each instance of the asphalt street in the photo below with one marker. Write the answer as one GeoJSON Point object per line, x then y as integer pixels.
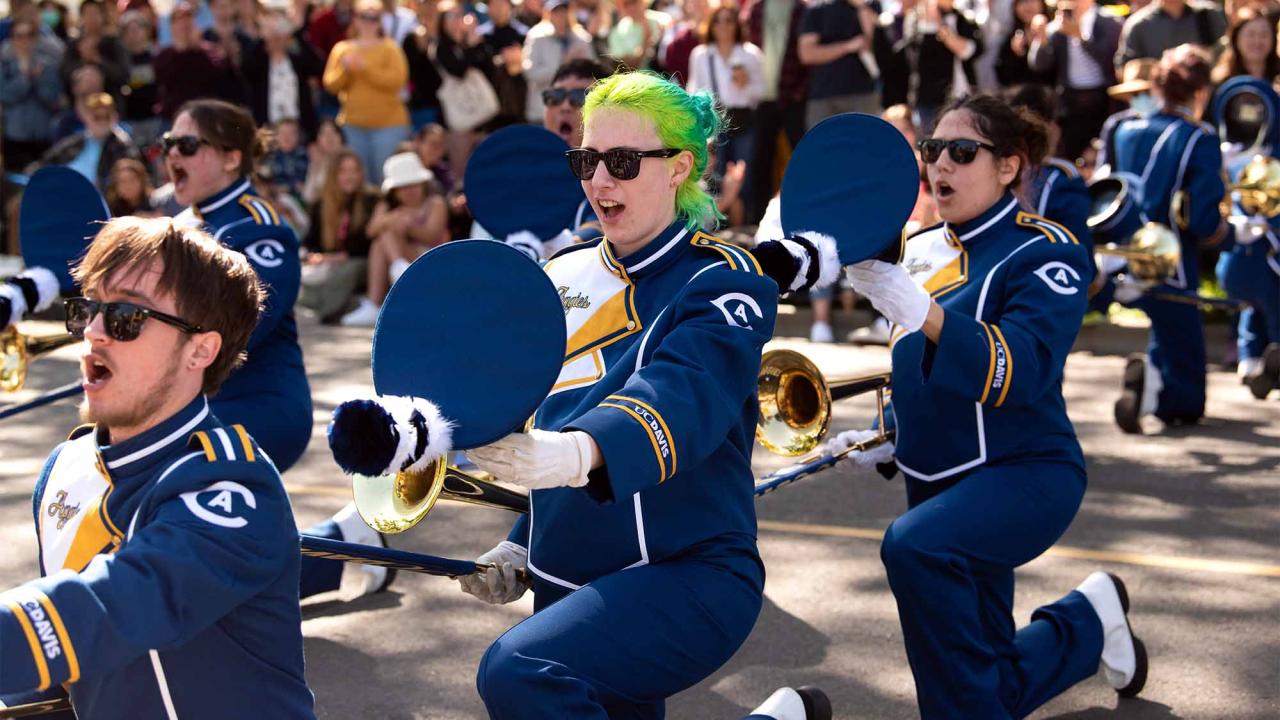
{"type": "Point", "coordinates": [1189, 517]}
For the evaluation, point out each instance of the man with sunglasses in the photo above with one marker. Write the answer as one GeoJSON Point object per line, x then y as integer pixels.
{"type": "Point", "coordinates": [167, 549]}
{"type": "Point", "coordinates": [95, 149]}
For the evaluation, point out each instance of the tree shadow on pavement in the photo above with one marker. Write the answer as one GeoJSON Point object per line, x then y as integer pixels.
{"type": "Point", "coordinates": [1130, 709]}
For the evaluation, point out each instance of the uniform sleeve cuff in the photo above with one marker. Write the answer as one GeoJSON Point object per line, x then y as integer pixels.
{"type": "Point", "coordinates": [971, 357]}
{"type": "Point", "coordinates": [632, 451]}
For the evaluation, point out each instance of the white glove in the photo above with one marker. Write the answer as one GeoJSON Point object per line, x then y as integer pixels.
{"type": "Point", "coordinates": [858, 459]}
{"type": "Point", "coordinates": [891, 291]}
{"type": "Point", "coordinates": [538, 459]}
{"type": "Point", "coordinates": [498, 585]}
{"type": "Point", "coordinates": [1129, 290]}
{"type": "Point", "coordinates": [1249, 229]}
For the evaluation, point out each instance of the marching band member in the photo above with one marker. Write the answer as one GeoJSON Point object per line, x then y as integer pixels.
{"type": "Point", "coordinates": [641, 541]}
{"type": "Point", "coordinates": [1250, 271]}
{"type": "Point", "coordinates": [210, 154]}
{"type": "Point", "coordinates": [167, 547]}
{"type": "Point", "coordinates": [1055, 190]}
{"type": "Point", "coordinates": [986, 307]}
{"type": "Point", "coordinates": [1172, 153]}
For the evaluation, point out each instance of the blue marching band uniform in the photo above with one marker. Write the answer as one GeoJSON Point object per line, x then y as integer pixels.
{"type": "Point", "coordinates": [169, 579]}
{"type": "Point", "coordinates": [650, 579]}
{"type": "Point", "coordinates": [1171, 153]}
{"type": "Point", "coordinates": [1058, 193]}
{"type": "Point", "coordinates": [994, 472]}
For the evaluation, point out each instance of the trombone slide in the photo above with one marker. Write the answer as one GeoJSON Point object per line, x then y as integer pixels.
{"type": "Point", "coordinates": [788, 475]}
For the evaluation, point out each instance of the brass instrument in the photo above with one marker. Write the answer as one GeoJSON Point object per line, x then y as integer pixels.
{"type": "Point", "coordinates": [17, 351]}
{"type": "Point", "coordinates": [795, 401]}
{"type": "Point", "coordinates": [1259, 186]}
{"type": "Point", "coordinates": [1153, 254]}
{"type": "Point", "coordinates": [394, 503]}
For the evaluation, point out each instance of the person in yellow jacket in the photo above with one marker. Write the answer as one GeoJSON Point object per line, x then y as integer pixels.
{"type": "Point", "coordinates": [368, 72]}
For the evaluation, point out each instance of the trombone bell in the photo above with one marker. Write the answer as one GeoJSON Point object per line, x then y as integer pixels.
{"type": "Point", "coordinates": [1153, 254]}
{"type": "Point", "coordinates": [1259, 186]}
{"type": "Point", "coordinates": [795, 401]}
{"type": "Point", "coordinates": [394, 503]}
{"type": "Point", "coordinates": [17, 351]}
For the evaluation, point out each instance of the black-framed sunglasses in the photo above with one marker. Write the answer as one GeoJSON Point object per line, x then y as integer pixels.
{"type": "Point", "coordinates": [554, 96]}
{"type": "Point", "coordinates": [123, 321]}
{"type": "Point", "coordinates": [962, 151]}
{"type": "Point", "coordinates": [187, 145]}
{"type": "Point", "coordinates": [622, 163]}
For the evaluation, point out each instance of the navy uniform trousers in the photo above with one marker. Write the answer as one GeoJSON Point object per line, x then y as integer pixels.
{"type": "Point", "coordinates": [1252, 273]}
{"type": "Point", "coordinates": [950, 560]}
{"type": "Point", "coordinates": [585, 651]}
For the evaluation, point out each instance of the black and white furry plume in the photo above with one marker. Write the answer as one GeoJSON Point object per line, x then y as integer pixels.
{"type": "Point", "coordinates": [387, 434]}
{"type": "Point", "coordinates": [804, 261]}
{"type": "Point", "coordinates": [30, 291]}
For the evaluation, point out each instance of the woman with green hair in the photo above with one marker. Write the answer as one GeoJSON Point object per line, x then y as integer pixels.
{"type": "Point", "coordinates": [640, 545]}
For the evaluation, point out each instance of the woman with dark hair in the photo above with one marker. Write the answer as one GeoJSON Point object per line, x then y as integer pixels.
{"type": "Point", "coordinates": [1251, 47]}
{"type": "Point", "coordinates": [129, 189]}
{"type": "Point", "coordinates": [1179, 163]}
{"type": "Point", "coordinates": [1011, 64]}
{"type": "Point", "coordinates": [210, 155]}
{"type": "Point", "coordinates": [985, 307]}
{"type": "Point", "coordinates": [732, 69]}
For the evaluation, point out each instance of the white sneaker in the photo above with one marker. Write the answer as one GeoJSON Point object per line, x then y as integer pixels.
{"type": "Point", "coordinates": [877, 333]}
{"type": "Point", "coordinates": [805, 703]}
{"type": "Point", "coordinates": [354, 530]}
{"type": "Point", "coordinates": [398, 266]}
{"type": "Point", "coordinates": [365, 314]}
{"type": "Point", "coordinates": [1124, 658]}
{"type": "Point", "coordinates": [1247, 368]}
{"type": "Point", "coordinates": [820, 332]}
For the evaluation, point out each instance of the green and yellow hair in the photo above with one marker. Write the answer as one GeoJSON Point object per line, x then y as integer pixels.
{"type": "Point", "coordinates": [684, 121]}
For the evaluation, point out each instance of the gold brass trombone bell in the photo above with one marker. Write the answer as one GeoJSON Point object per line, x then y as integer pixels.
{"type": "Point", "coordinates": [18, 350]}
{"type": "Point", "coordinates": [394, 503]}
{"type": "Point", "coordinates": [1259, 186]}
{"type": "Point", "coordinates": [1153, 254]}
{"type": "Point", "coordinates": [795, 401]}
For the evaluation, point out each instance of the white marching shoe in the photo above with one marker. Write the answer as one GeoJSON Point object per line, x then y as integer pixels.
{"type": "Point", "coordinates": [398, 266]}
{"type": "Point", "coordinates": [365, 314]}
{"type": "Point", "coordinates": [1124, 657]}
{"type": "Point", "coordinates": [354, 530]}
{"type": "Point", "coordinates": [802, 703]}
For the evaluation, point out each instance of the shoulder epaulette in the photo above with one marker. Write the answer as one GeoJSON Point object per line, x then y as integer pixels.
{"type": "Point", "coordinates": [80, 431]}
{"type": "Point", "coordinates": [260, 209]}
{"type": "Point", "coordinates": [736, 257]}
{"type": "Point", "coordinates": [1056, 232]}
{"type": "Point", "coordinates": [224, 443]}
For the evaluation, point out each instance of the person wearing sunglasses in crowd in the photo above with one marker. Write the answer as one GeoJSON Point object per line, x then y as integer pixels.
{"type": "Point", "coordinates": [986, 306]}
{"type": "Point", "coordinates": [168, 554]}
{"type": "Point", "coordinates": [641, 541]}
{"type": "Point", "coordinates": [1176, 156]}
{"type": "Point", "coordinates": [210, 154]}
{"type": "Point", "coordinates": [562, 114]}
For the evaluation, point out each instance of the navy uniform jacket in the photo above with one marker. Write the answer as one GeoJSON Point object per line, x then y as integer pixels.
{"type": "Point", "coordinates": [1013, 288]}
{"type": "Point", "coordinates": [1058, 193]}
{"type": "Point", "coordinates": [273, 377]}
{"type": "Point", "coordinates": [1171, 153]}
{"type": "Point", "coordinates": [170, 579]}
{"type": "Point", "coordinates": [660, 369]}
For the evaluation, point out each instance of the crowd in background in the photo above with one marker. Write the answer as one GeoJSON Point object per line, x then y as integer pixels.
{"type": "Point", "coordinates": [376, 105]}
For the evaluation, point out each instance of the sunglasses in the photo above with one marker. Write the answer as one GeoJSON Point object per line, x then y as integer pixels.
{"type": "Point", "coordinates": [187, 145]}
{"type": "Point", "coordinates": [962, 151]}
{"type": "Point", "coordinates": [554, 96]}
{"type": "Point", "coordinates": [123, 321]}
{"type": "Point", "coordinates": [370, 17]}
{"type": "Point", "coordinates": [622, 163]}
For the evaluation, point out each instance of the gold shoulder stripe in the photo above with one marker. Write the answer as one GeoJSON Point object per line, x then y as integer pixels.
{"type": "Point", "coordinates": [247, 204]}
{"type": "Point", "coordinates": [245, 442]}
{"type": "Point", "coordinates": [1055, 232]}
{"type": "Point", "coordinates": [205, 443]}
{"type": "Point", "coordinates": [738, 258]}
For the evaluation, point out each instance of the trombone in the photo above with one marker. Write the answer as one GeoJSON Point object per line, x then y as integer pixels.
{"type": "Point", "coordinates": [18, 350]}
{"type": "Point", "coordinates": [1154, 255]}
{"type": "Point", "coordinates": [392, 504]}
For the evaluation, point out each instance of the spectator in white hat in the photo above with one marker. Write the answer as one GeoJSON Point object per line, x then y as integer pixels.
{"type": "Point", "coordinates": [410, 219]}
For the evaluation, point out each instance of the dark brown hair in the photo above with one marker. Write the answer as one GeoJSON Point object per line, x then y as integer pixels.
{"type": "Point", "coordinates": [708, 25]}
{"type": "Point", "coordinates": [213, 286]}
{"type": "Point", "coordinates": [229, 127]}
{"type": "Point", "coordinates": [1013, 131]}
{"type": "Point", "coordinates": [1229, 64]}
{"type": "Point", "coordinates": [1182, 72]}
{"type": "Point", "coordinates": [118, 205]}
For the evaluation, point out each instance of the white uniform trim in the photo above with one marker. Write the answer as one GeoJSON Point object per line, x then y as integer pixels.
{"type": "Point", "coordinates": [226, 442]}
{"type": "Point", "coordinates": [131, 457]}
{"type": "Point", "coordinates": [982, 433]}
{"type": "Point", "coordinates": [1155, 151]}
{"type": "Point", "coordinates": [223, 230]}
{"type": "Point", "coordinates": [1044, 191]}
{"type": "Point", "coordinates": [242, 189]}
{"type": "Point", "coordinates": [169, 712]}
{"type": "Point", "coordinates": [1180, 281]}
{"type": "Point", "coordinates": [665, 249]}
{"type": "Point", "coordinates": [976, 231]}
{"type": "Point", "coordinates": [133, 522]}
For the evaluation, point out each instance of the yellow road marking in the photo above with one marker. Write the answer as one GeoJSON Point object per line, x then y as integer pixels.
{"type": "Point", "coordinates": [1173, 562]}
